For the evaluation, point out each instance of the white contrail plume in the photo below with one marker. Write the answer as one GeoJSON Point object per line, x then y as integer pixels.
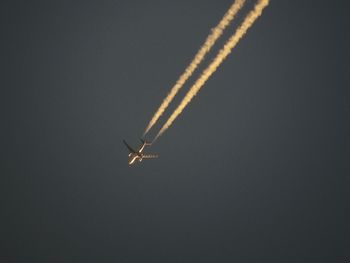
{"type": "Point", "coordinates": [223, 53]}
{"type": "Point", "coordinates": [209, 43]}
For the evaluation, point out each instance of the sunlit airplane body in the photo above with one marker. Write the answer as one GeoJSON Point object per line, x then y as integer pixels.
{"type": "Point", "coordinates": [138, 155]}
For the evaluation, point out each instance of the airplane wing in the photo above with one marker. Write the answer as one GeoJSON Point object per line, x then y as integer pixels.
{"type": "Point", "coordinates": [129, 148]}
{"type": "Point", "coordinates": [149, 156]}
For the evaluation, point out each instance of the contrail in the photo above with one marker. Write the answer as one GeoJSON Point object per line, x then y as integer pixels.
{"type": "Point", "coordinates": [209, 43]}
{"type": "Point", "coordinates": [223, 53]}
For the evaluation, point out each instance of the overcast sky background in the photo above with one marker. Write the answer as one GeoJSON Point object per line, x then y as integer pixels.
{"type": "Point", "coordinates": [256, 169]}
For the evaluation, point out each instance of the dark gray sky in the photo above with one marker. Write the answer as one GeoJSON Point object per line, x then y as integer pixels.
{"type": "Point", "coordinates": [255, 170]}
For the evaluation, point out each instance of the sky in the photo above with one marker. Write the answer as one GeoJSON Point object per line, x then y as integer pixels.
{"type": "Point", "coordinates": [256, 169]}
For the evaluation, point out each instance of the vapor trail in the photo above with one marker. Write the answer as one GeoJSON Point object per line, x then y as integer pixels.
{"type": "Point", "coordinates": [223, 53]}
{"type": "Point", "coordinates": [208, 44]}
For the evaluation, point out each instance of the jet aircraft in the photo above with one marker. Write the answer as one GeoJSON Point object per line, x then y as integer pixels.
{"type": "Point", "coordinates": [139, 155]}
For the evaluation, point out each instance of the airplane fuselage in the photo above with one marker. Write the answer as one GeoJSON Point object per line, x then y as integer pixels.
{"type": "Point", "coordinates": [134, 157]}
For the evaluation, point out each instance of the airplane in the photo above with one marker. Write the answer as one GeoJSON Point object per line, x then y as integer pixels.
{"type": "Point", "coordinates": [138, 155]}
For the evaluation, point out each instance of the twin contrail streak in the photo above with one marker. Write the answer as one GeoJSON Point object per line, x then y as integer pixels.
{"type": "Point", "coordinates": [209, 43]}
{"type": "Point", "coordinates": [223, 53]}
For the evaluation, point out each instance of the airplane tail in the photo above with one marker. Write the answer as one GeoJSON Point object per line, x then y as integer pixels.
{"type": "Point", "coordinates": [145, 142]}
